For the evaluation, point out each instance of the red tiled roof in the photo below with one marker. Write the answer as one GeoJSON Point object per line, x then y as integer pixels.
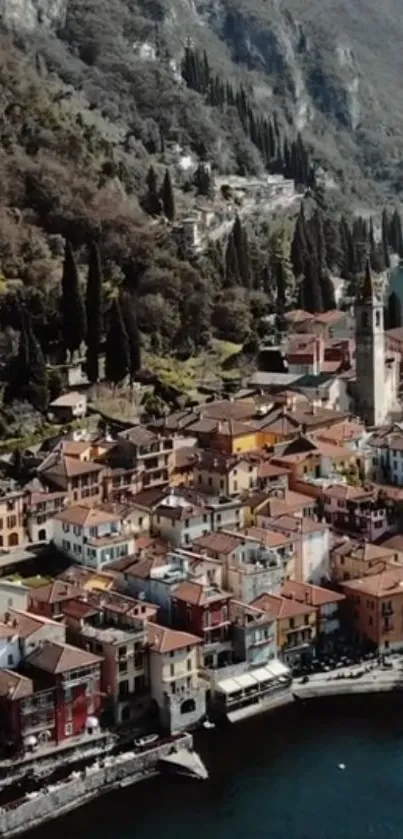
{"type": "Point", "coordinates": [60, 658]}
{"type": "Point", "coordinates": [309, 594]}
{"type": "Point", "coordinates": [281, 607]}
{"type": "Point", "coordinates": [197, 594]}
{"type": "Point", "coordinates": [164, 640]}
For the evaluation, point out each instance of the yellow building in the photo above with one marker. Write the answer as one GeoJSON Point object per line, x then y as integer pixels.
{"type": "Point", "coordinates": [296, 626]}
{"type": "Point", "coordinates": [12, 530]}
{"type": "Point", "coordinates": [174, 677]}
{"type": "Point", "coordinates": [350, 560]}
{"type": "Point", "coordinates": [222, 474]}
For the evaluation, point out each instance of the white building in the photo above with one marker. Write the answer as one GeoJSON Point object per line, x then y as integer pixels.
{"type": "Point", "coordinates": [179, 521]}
{"type": "Point", "coordinates": [312, 544]}
{"type": "Point", "coordinates": [92, 537]}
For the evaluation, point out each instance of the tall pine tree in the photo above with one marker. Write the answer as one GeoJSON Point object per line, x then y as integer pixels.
{"type": "Point", "coordinates": [117, 350]}
{"type": "Point", "coordinates": [133, 333]}
{"type": "Point", "coordinates": [94, 313]}
{"type": "Point", "coordinates": [311, 290]}
{"type": "Point", "coordinates": [167, 197]}
{"type": "Point", "coordinates": [72, 306]}
{"type": "Point", "coordinates": [394, 312]}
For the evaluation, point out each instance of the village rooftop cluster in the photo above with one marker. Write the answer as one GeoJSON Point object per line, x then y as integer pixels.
{"type": "Point", "coordinates": [156, 575]}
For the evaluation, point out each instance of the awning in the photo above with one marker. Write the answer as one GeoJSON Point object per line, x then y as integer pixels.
{"type": "Point", "coordinates": [278, 668]}
{"type": "Point", "coordinates": [228, 686]}
{"type": "Point", "coordinates": [247, 680]}
{"type": "Point", "coordinates": [263, 674]}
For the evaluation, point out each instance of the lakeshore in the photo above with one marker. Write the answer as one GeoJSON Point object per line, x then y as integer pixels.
{"type": "Point", "coordinates": [274, 775]}
{"type": "Point", "coordinates": [343, 685]}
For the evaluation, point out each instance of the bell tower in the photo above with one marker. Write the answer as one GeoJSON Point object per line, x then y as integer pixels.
{"type": "Point", "coordinates": [370, 353]}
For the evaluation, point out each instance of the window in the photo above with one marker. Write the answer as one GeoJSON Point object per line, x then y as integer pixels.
{"type": "Point", "coordinates": [68, 729]}
{"type": "Point", "coordinates": [11, 521]}
{"type": "Point", "coordinates": [189, 664]}
{"type": "Point", "coordinates": [292, 623]}
{"type": "Point", "coordinates": [1, 524]}
{"type": "Point", "coordinates": [10, 660]}
{"type": "Point", "coordinates": [171, 669]}
{"type": "Point", "coordinates": [122, 667]}
{"type": "Point", "coordinates": [140, 521]}
{"type": "Point", "coordinates": [65, 527]}
{"type": "Point", "coordinates": [69, 713]}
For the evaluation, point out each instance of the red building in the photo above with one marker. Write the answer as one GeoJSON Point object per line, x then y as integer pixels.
{"type": "Point", "coordinates": [48, 600]}
{"type": "Point", "coordinates": [204, 611]}
{"type": "Point", "coordinates": [26, 716]}
{"type": "Point", "coordinates": [74, 675]}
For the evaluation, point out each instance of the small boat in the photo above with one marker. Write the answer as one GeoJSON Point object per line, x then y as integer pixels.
{"type": "Point", "coordinates": [147, 740]}
{"type": "Point", "coordinates": [341, 766]}
{"type": "Point", "coordinates": [208, 725]}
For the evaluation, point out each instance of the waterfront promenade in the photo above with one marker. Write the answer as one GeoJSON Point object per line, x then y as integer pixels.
{"type": "Point", "coordinates": [368, 677]}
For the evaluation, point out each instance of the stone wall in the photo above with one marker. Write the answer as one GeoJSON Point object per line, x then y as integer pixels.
{"type": "Point", "coordinates": [57, 800]}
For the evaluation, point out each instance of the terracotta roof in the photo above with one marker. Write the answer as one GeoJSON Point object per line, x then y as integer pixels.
{"type": "Point", "coordinates": [138, 435]}
{"type": "Point", "coordinates": [43, 497]}
{"type": "Point", "coordinates": [85, 516]}
{"type": "Point", "coordinates": [309, 594]}
{"type": "Point", "coordinates": [164, 640]}
{"type": "Point", "coordinates": [268, 469]}
{"type": "Point", "coordinates": [345, 492]}
{"type": "Point", "coordinates": [217, 462]}
{"type": "Point", "coordinates": [54, 592]}
{"type": "Point", "coordinates": [288, 503]}
{"type": "Point", "coordinates": [79, 609]}
{"type": "Point", "coordinates": [298, 316]}
{"type": "Point", "coordinates": [245, 614]}
{"type": "Point", "coordinates": [148, 499]}
{"type": "Point", "coordinates": [331, 366]}
{"type": "Point", "coordinates": [179, 512]}
{"type": "Point", "coordinates": [184, 458]}
{"type": "Point", "coordinates": [269, 538]}
{"type": "Point", "coordinates": [60, 658]}
{"type": "Point", "coordinates": [332, 316]}
{"type": "Point", "coordinates": [332, 450]}
{"type": "Point", "coordinates": [299, 525]}
{"type": "Point", "coordinates": [343, 432]}
{"type": "Point", "coordinates": [281, 607]}
{"type": "Point", "coordinates": [142, 567]}
{"type": "Point", "coordinates": [14, 686]}
{"type": "Point", "coordinates": [219, 542]}
{"type": "Point", "coordinates": [394, 543]}
{"type": "Point", "coordinates": [385, 584]}
{"type": "Point", "coordinates": [25, 623]}
{"type": "Point", "coordinates": [61, 465]}
{"type": "Point", "coordinates": [74, 448]}
{"type": "Point", "coordinates": [198, 594]}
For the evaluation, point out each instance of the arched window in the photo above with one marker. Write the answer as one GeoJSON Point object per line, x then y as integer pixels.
{"type": "Point", "coordinates": [188, 706]}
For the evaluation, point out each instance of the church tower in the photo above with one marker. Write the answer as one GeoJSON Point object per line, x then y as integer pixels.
{"type": "Point", "coordinates": [371, 390]}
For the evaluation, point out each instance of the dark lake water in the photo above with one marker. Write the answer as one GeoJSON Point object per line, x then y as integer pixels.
{"type": "Point", "coordinates": [273, 778]}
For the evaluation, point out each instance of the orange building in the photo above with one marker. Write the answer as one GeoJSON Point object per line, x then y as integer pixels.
{"type": "Point", "coordinates": [375, 608]}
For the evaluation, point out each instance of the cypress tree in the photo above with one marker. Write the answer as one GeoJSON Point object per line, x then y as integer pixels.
{"type": "Point", "coordinates": [231, 263]}
{"type": "Point", "coordinates": [311, 290]}
{"type": "Point", "coordinates": [72, 306]}
{"type": "Point", "coordinates": [385, 237]}
{"type": "Point", "coordinates": [117, 350]}
{"type": "Point", "coordinates": [396, 237]}
{"type": "Point", "coordinates": [394, 312]}
{"type": "Point", "coordinates": [299, 246]}
{"type": "Point", "coordinates": [37, 385]}
{"type": "Point", "coordinates": [132, 330]}
{"type": "Point", "coordinates": [327, 289]}
{"type": "Point", "coordinates": [238, 234]}
{"type": "Point", "coordinates": [94, 313]}
{"type": "Point", "coordinates": [167, 197]}
{"type": "Point", "coordinates": [26, 374]}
